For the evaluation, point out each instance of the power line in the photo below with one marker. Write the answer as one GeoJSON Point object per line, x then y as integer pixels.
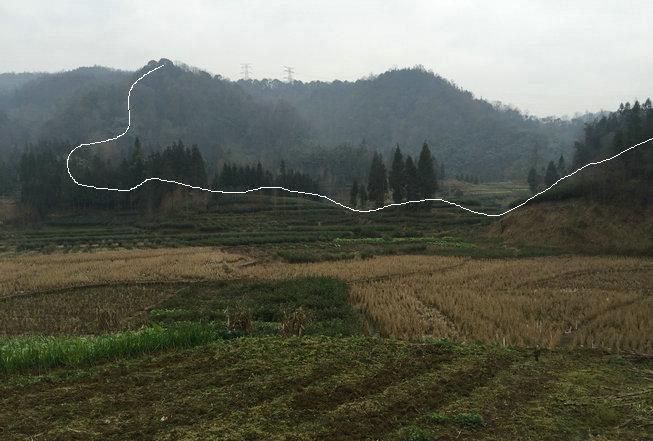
{"type": "Point", "coordinates": [245, 71]}
{"type": "Point", "coordinates": [289, 71]}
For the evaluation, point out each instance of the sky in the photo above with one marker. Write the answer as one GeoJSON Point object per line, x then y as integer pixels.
{"type": "Point", "coordinates": [549, 57]}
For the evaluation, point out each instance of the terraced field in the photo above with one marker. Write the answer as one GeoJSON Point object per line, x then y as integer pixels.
{"type": "Point", "coordinates": [249, 220]}
{"type": "Point", "coordinates": [570, 301]}
{"type": "Point", "coordinates": [407, 326]}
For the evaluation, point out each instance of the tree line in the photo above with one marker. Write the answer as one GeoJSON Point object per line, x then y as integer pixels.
{"type": "Point", "coordinates": [405, 181]}
{"type": "Point", "coordinates": [44, 185]}
{"type": "Point", "coordinates": [538, 181]}
{"type": "Point", "coordinates": [242, 177]}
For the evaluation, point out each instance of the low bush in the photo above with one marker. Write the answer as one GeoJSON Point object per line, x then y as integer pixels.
{"type": "Point", "coordinates": [439, 418]}
{"type": "Point", "coordinates": [416, 433]}
{"type": "Point", "coordinates": [469, 420]}
{"type": "Point", "coordinates": [239, 320]}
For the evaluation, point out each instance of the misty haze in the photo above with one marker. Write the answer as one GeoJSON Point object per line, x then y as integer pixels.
{"type": "Point", "coordinates": [381, 220]}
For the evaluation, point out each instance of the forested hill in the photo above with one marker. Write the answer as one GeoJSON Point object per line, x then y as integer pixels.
{"type": "Point", "coordinates": [268, 120]}
{"type": "Point", "coordinates": [408, 106]}
{"type": "Point", "coordinates": [30, 102]}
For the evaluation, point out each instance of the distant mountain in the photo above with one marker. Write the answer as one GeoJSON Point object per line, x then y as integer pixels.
{"type": "Point", "coordinates": [409, 106]}
{"type": "Point", "coordinates": [269, 120]}
{"type": "Point", "coordinates": [12, 81]}
{"type": "Point", "coordinates": [29, 101]}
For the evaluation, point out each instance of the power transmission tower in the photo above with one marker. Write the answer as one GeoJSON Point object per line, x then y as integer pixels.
{"type": "Point", "coordinates": [289, 71]}
{"type": "Point", "coordinates": [244, 71]}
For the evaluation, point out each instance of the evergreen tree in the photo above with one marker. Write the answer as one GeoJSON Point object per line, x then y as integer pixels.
{"type": "Point", "coordinates": [41, 178]}
{"type": "Point", "coordinates": [260, 175]}
{"type": "Point", "coordinates": [282, 174]}
{"type": "Point", "coordinates": [197, 168]}
{"type": "Point", "coordinates": [7, 178]}
{"type": "Point", "coordinates": [562, 166]}
{"type": "Point", "coordinates": [426, 173]}
{"type": "Point", "coordinates": [215, 183]}
{"type": "Point", "coordinates": [377, 185]}
{"type": "Point", "coordinates": [362, 193]}
{"type": "Point", "coordinates": [224, 178]}
{"type": "Point", "coordinates": [353, 194]}
{"type": "Point", "coordinates": [412, 181]}
{"type": "Point", "coordinates": [136, 165]}
{"type": "Point", "coordinates": [397, 177]}
{"type": "Point", "coordinates": [633, 123]}
{"type": "Point", "coordinates": [646, 107]}
{"type": "Point", "coordinates": [533, 180]}
{"type": "Point", "coordinates": [551, 175]}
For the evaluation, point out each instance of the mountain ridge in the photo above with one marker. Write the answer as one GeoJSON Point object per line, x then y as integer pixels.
{"type": "Point", "coordinates": [267, 120]}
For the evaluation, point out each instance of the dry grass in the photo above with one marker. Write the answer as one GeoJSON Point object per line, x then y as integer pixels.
{"type": "Point", "coordinates": [579, 224]}
{"type": "Point", "coordinates": [553, 301]}
{"type": "Point", "coordinates": [543, 301]}
{"type": "Point", "coordinates": [81, 311]}
{"type": "Point", "coordinates": [24, 273]}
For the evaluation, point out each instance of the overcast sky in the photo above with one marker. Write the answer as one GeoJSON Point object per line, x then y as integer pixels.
{"type": "Point", "coordinates": [547, 57]}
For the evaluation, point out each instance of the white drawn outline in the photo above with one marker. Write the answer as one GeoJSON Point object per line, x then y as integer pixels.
{"type": "Point", "coordinates": [306, 193]}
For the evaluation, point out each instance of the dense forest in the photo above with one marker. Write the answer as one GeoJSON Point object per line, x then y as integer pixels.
{"type": "Point", "coordinates": [628, 178]}
{"type": "Point", "coordinates": [330, 130]}
{"type": "Point", "coordinates": [409, 106]}
{"type": "Point", "coordinates": [44, 185]}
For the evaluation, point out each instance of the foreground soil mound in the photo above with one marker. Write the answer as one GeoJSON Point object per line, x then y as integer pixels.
{"type": "Point", "coordinates": [579, 225]}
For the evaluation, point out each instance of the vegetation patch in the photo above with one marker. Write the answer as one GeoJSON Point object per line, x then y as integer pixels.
{"type": "Point", "coordinates": [45, 352]}
{"type": "Point", "coordinates": [324, 388]}
{"type": "Point", "coordinates": [304, 256]}
{"type": "Point", "coordinates": [469, 420]}
{"type": "Point", "coordinates": [323, 301]}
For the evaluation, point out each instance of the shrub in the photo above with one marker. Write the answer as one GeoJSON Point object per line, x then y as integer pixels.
{"type": "Point", "coordinates": [416, 433]}
{"type": "Point", "coordinates": [239, 320]}
{"type": "Point", "coordinates": [469, 420]}
{"type": "Point", "coordinates": [439, 418]}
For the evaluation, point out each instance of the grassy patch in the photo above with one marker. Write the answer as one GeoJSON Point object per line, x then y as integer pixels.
{"type": "Point", "coordinates": [438, 418]}
{"type": "Point", "coordinates": [44, 352]}
{"type": "Point", "coordinates": [325, 300]}
{"type": "Point", "coordinates": [416, 433]}
{"type": "Point", "coordinates": [469, 420]}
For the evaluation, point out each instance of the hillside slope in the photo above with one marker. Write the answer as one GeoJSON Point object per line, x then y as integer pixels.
{"type": "Point", "coordinates": [265, 120]}
{"type": "Point", "coordinates": [579, 224]}
{"type": "Point", "coordinates": [408, 106]}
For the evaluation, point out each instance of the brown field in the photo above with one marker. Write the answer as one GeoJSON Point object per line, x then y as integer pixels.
{"type": "Point", "coordinates": [27, 273]}
{"type": "Point", "coordinates": [81, 311]}
{"type": "Point", "coordinates": [548, 301]}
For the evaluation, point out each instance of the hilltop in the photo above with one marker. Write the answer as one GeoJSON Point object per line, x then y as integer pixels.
{"type": "Point", "coordinates": [266, 120]}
